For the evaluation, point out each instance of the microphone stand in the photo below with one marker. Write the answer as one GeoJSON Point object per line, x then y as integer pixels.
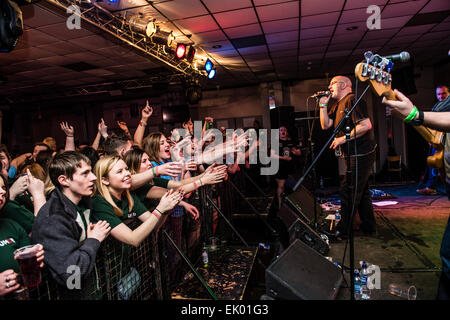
{"type": "Point", "coordinates": [338, 128]}
{"type": "Point", "coordinates": [313, 170]}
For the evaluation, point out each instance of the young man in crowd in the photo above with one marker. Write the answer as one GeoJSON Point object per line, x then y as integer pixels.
{"type": "Point", "coordinates": [63, 227]}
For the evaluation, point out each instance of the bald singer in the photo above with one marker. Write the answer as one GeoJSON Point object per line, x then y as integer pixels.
{"type": "Point", "coordinates": [361, 151]}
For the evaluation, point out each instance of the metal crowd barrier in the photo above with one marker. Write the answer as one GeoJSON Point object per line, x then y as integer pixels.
{"type": "Point", "coordinates": [156, 266]}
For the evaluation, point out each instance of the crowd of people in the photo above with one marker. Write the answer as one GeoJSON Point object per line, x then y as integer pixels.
{"type": "Point", "coordinates": [70, 200]}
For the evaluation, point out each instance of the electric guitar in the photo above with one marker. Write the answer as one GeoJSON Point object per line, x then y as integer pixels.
{"type": "Point", "coordinates": [380, 80]}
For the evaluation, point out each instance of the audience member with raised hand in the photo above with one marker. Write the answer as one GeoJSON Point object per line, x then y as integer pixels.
{"type": "Point", "coordinates": [102, 132]}
{"type": "Point", "coordinates": [70, 139]}
{"type": "Point", "coordinates": [138, 162]}
{"type": "Point", "coordinates": [63, 225]}
{"type": "Point", "coordinates": [146, 113]}
{"type": "Point", "coordinates": [114, 203]}
{"type": "Point", "coordinates": [123, 126]}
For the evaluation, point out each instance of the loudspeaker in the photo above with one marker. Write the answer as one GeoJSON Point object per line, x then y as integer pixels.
{"type": "Point", "coordinates": [302, 200]}
{"type": "Point", "coordinates": [297, 228]}
{"type": "Point", "coordinates": [300, 273]}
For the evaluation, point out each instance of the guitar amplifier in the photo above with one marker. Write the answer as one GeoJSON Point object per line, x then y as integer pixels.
{"type": "Point", "coordinates": [302, 201]}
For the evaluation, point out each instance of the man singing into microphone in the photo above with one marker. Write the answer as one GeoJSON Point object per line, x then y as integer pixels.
{"type": "Point", "coordinates": [362, 153]}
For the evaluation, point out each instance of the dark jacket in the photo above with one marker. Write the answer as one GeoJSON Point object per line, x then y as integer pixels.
{"type": "Point", "coordinates": [56, 228]}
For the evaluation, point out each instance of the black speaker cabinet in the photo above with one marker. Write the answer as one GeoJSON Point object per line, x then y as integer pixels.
{"type": "Point", "coordinates": [300, 273]}
{"type": "Point", "coordinates": [302, 201]}
{"type": "Point", "coordinates": [299, 229]}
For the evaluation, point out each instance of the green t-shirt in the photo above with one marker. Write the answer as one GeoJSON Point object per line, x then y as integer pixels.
{"type": "Point", "coordinates": [102, 210]}
{"type": "Point", "coordinates": [12, 237]}
{"type": "Point", "coordinates": [141, 192]}
{"type": "Point", "coordinates": [15, 211]}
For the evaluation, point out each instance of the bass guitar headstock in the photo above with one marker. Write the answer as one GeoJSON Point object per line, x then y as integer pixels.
{"type": "Point", "coordinates": [376, 70]}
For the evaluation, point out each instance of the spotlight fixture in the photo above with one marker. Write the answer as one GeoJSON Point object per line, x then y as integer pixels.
{"type": "Point", "coordinates": [143, 25]}
{"type": "Point", "coordinates": [208, 66]}
{"type": "Point", "coordinates": [190, 54]}
{"type": "Point", "coordinates": [212, 73]}
{"type": "Point", "coordinates": [163, 37]}
{"type": "Point", "coordinates": [180, 52]}
{"type": "Point", "coordinates": [11, 25]}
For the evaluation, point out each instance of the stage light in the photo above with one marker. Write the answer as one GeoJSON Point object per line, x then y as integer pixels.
{"type": "Point", "coordinates": [11, 25]}
{"type": "Point", "coordinates": [143, 25]}
{"type": "Point", "coordinates": [208, 65]}
{"type": "Point", "coordinates": [181, 51]}
{"type": "Point", "coordinates": [212, 73]}
{"type": "Point", "coordinates": [163, 37]}
{"type": "Point", "coordinates": [190, 54]}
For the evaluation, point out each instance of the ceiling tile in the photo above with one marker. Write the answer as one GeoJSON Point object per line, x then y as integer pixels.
{"type": "Point", "coordinates": [316, 32]}
{"type": "Point", "coordinates": [198, 24]}
{"type": "Point", "coordinates": [278, 11]}
{"type": "Point", "coordinates": [35, 16]}
{"type": "Point", "coordinates": [210, 36]}
{"type": "Point", "coordinates": [312, 7]}
{"type": "Point", "coordinates": [60, 48]}
{"type": "Point", "coordinates": [245, 31]}
{"type": "Point", "coordinates": [318, 42]}
{"type": "Point", "coordinates": [236, 18]}
{"type": "Point", "coordinates": [34, 37]}
{"type": "Point", "coordinates": [92, 42]}
{"type": "Point", "coordinates": [220, 5]}
{"type": "Point", "coordinates": [253, 50]}
{"type": "Point", "coordinates": [353, 4]}
{"type": "Point", "coordinates": [60, 30]}
{"type": "Point", "coordinates": [322, 20]}
{"type": "Point", "coordinates": [403, 9]}
{"type": "Point", "coordinates": [397, 22]}
{"type": "Point", "coordinates": [283, 46]}
{"type": "Point", "coordinates": [416, 30]}
{"type": "Point", "coordinates": [282, 37]}
{"type": "Point", "coordinates": [280, 25]}
{"type": "Point", "coordinates": [380, 34]}
{"type": "Point", "coordinates": [354, 15]}
{"type": "Point", "coordinates": [181, 9]}
{"type": "Point", "coordinates": [312, 50]}
{"type": "Point", "coordinates": [436, 5]}
{"type": "Point", "coordinates": [333, 54]}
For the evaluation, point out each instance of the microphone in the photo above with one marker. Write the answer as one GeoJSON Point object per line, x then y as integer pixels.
{"type": "Point", "coordinates": [402, 57]}
{"type": "Point", "coordinates": [323, 94]}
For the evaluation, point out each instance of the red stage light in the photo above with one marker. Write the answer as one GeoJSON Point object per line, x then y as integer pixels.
{"type": "Point", "coordinates": [181, 51]}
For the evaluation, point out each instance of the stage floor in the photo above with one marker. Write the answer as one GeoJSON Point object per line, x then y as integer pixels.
{"type": "Point", "coordinates": [406, 247]}
{"type": "Point", "coordinates": [407, 244]}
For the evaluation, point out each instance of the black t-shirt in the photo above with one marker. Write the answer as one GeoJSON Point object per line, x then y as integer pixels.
{"type": "Point", "coordinates": [285, 149]}
{"type": "Point", "coordinates": [365, 143]}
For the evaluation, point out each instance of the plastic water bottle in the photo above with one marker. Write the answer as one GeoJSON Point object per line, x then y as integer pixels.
{"type": "Point", "coordinates": [357, 285]}
{"type": "Point", "coordinates": [205, 257]}
{"type": "Point", "coordinates": [365, 291]}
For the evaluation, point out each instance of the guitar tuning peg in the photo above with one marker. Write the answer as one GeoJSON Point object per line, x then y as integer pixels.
{"type": "Point", "coordinates": [390, 66]}
{"type": "Point", "coordinates": [368, 55]}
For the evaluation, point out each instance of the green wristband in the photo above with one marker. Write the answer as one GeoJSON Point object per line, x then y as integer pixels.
{"type": "Point", "coordinates": [412, 115]}
{"type": "Point", "coordinates": [153, 170]}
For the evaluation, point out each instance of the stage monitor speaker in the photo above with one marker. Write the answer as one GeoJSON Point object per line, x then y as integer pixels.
{"type": "Point", "coordinates": [300, 273]}
{"type": "Point", "coordinates": [302, 201]}
{"type": "Point", "coordinates": [298, 229]}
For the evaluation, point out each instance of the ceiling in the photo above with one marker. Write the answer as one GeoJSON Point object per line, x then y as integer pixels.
{"type": "Point", "coordinates": [250, 41]}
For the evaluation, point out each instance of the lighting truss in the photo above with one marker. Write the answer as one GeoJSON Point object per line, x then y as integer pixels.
{"type": "Point", "coordinates": [118, 27]}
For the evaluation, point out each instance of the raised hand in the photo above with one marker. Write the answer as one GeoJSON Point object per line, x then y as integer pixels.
{"type": "Point", "coordinates": [68, 130]}
{"type": "Point", "coordinates": [170, 200]}
{"type": "Point", "coordinates": [18, 187]}
{"type": "Point", "coordinates": [146, 112]}
{"type": "Point", "coordinates": [214, 176]}
{"type": "Point", "coordinates": [99, 231]}
{"type": "Point", "coordinates": [35, 185]}
{"type": "Point", "coordinates": [191, 209]}
{"type": "Point", "coordinates": [172, 169]}
{"type": "Point", "coordinates": [103, 128]}
{"type": "Point", "coordinates": [123, 125]}
{"type": "Point", "coordinates": [190, 165]}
